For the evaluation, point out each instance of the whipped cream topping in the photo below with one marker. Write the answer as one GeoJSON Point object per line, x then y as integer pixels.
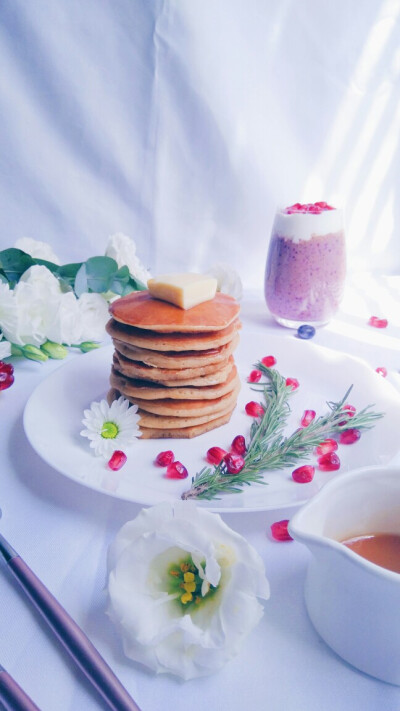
{"type": "Point", "coordinates": [300, 226]}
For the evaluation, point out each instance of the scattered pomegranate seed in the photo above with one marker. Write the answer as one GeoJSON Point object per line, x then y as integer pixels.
{"type": "Point", "coordinates": [328, 445]}
{"type": "Point", "coordinates": [280, 532]}
{"type": "Point", "coordinates": [268, 361]}
{"type": "Point", "coordinates": [329, 462]}
{"type": "Point", "coordinates": [117, 460]}
{"type": "Point", "coordinates": [350, 411]}
{"type": "Point", "coordinates": [234, 463]}
{"type": "Point", "coordinates": [6, 381]}
{"type": "Point", "coordinates": [381, 371]}
{"type": "Point", "coordinates": [349, 436]}
{"type": "Point", "coordinates": [254, 376]}
{"type": "Point", "coordinates": [378, 322]}
{"type": "Point", "coordinates": [307, 418]}
{"type": "Point", "coordinates": [164, 458]}
{"type": "Point", "coordinates": [215, 455]}
{"type": "Point", "coordinates": [303, 474]}
{"type": "Point", "coordinates": [6, 375]}
{"type": "Point", "coordinates": [293, 383]}
{"type": "Point", "coordinates": [6, 368]}
{"type": "Point", "coordinates": [176, 470]}
{"type": "Point", "coordinates": [239, 445]}
{"type": "Point", "coordinates": [254, 409]}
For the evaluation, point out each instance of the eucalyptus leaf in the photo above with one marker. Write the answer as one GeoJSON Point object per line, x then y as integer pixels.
{"type": "Point", "coordinates": [96, 275]}
{"type": "Point", "coordinates": [13, 263]}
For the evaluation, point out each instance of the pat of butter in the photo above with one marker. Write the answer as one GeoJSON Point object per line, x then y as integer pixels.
{"type": "Point", "coordinates": [183, 290]}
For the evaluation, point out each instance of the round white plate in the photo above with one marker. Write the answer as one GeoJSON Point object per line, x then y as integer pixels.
{"type": "Point", "coordinates": [53, 420]}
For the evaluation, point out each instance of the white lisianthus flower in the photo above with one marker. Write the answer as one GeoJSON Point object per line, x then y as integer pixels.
{"type": "Point", "coordinates": [66, 326]}
{"type": "Point", "coordinates": [37, 249]}
{"type": "Point", "coordinates": [5, 348]}
{"type": "Point", "coordinates": [37, 296]}
{"type": "Point", "coordinates": [123, 249]}
{"type": "Point", "coordinates": [229, 281]}
{"type": "Point", "coordinates": [183, 589]}
{"type": "Point", "coordinates": [93, 310]}
{"type": "Point", "coordinates": [8, 311]}
{"type": "Point", "coordinates": [111, 427]}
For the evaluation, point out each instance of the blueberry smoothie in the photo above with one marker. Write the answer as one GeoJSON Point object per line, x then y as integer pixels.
{"type": "Point", "coordinates": [306, 264]}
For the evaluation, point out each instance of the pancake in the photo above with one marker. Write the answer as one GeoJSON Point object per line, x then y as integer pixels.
{"type": "Point", "coordinates": [140, 310]}
{"type": "Point", "coordinates": [171, 341]}
{"type": "Point", "coordinates": [162, 422]}
{"type": "Point", "coordinates": [165, 376]}
{"type": "Point", "coordinates": [131, 387]}
{"type": "Point", "coordinates": [174, 360]}
{"type": "Point", "coordinates": [187, 408]}
{"type": "Point", "coordinates": [185, 432]}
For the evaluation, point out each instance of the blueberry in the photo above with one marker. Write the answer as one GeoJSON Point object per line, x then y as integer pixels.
{"type": "Point", "coordinates": [305, 331]}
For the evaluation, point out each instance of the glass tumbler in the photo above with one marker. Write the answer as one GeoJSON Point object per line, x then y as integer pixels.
{"type": "Point", "coordinates": [306, 264]}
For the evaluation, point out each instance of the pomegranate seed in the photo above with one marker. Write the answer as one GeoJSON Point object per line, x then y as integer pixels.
{"type": "Point", "coordinates": [303, 474]}
{"type": "Point", "coordinates": [268, 361]}
{"type": "Point", "coordinates": [6, 381]}
{"type": "Point", "coordinates": [254, 376]}
{"type": "Point", "coordinates": [176, 470]}
{"type": "Point", "coordinates": [239, 445]}
{"type": "Point", "coordinates": [215, 455]}
{"type": "Point", "coordinates": [381, 371]}
{"type": "Point", "coordinates": [117, 460]}
{"type": "Point", "coordinates": [329, 462]}
{"type": "Point", "coordinates": [292, 383]}
{"type": "Point", "coordinates": [307, 418]}
{"type": "Point", "coordinates": [234, 463]}
{"type": "Point", "coordinates": [164, 458]}
{"type": "Point", "coordinates": [6, 367]}
{"type": "Point", "coordinates": [350, 411]}
{"type": "Point", "coordinates": [254, 409]}
{"type": "Point", "coordinates": [378, 322]}
{"type": "Point", "coordinates": [328, 445]}
{"type": "Point", "coordinates": [349, 436]}
{"type": "Point", "coordinates": [280, 532]}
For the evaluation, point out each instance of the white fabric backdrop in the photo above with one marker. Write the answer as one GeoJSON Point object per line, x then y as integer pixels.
{"type": "Point", "coordinates": [184, 124]}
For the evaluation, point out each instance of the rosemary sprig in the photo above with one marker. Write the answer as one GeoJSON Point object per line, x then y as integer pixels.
{"type": "Point", "coordinates": [268, 448]}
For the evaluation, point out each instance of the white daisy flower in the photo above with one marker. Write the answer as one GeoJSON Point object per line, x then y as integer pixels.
{"type": "Point", "coordinates": [110, 427]}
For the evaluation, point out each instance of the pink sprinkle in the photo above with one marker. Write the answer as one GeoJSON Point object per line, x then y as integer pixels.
{"type": "Point", "coordinates": [381, 371]}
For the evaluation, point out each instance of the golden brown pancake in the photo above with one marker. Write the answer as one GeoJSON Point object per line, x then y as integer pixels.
{"type": "Point", "coordinates": [165, 376]}
{"type": "Point", "coordinates": [141, 310]}
{"type": "Point", "coordinates": [180, 359]}
{"type": "Point", "coordinates": [187, 408]}
{"type": "Point", "coordinates": [132, 387]}
{"type": "Point", "coordinates": [171, 341]}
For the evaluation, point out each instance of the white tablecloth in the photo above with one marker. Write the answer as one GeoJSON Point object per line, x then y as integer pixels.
{"type": "Point", "coordinates": [62, 530]}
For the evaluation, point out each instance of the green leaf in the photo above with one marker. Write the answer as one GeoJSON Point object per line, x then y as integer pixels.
{"type": "Point", "coordinates": [95, 275]}
{"type": "Point", "coordinates": [66, 275]}
{"type": "Point", "coordinates": [13, 263]}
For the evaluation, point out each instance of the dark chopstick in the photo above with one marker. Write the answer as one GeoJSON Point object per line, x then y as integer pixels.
{"type": "Point", "coordinates": [69, 633]}
{"type": "Point", "coordinates": [12, 697]}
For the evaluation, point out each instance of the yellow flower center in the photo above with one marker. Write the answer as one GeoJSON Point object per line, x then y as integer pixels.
{"type": "Point", "coordinates": [109, 430]}
{"type": "Point", "coordinates": [186, 582]}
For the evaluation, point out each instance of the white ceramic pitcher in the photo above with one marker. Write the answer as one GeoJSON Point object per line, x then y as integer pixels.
{"type": "Point", "coordinates": [354, 604]}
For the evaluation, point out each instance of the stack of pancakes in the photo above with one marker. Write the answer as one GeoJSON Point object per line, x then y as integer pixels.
{"type": "Point", "coordinates": [176, 365]}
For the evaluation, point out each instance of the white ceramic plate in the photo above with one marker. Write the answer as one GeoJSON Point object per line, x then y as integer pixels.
{"type": "Point", "coordinates": [54, 412]}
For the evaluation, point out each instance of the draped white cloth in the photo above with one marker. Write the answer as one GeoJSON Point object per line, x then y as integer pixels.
{"type": "Point", "coordinates": [184, 125]}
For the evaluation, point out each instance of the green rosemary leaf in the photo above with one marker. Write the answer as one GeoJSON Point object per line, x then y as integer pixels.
{"type": "Point", "coordinates": [268, 448]}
